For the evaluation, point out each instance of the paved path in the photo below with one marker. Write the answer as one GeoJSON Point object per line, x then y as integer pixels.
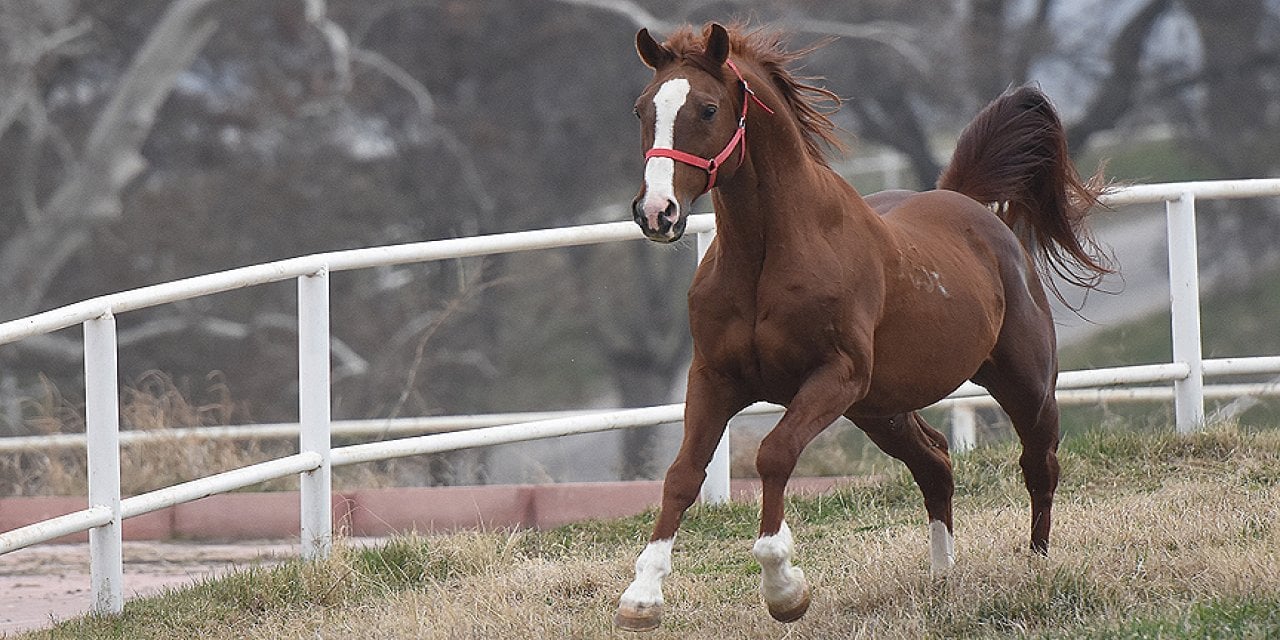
{"type": "Point", "coordinates": [1136, 235]}
{"type": "Point", "coordinates": [48, 583]}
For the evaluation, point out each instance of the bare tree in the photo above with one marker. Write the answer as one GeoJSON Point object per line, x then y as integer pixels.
{"type": "Point", "coordinates": [1235, 128]}
{"type": "Point", "coordinates": [1118, 92]}
{"type": "Point", "coordinates": [110, 159]}
{"type": "Point", "coordinates": [142, 142]}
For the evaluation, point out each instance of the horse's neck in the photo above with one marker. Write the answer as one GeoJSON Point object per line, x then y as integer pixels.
{"type": "Point", "coordinates": [780, 204]}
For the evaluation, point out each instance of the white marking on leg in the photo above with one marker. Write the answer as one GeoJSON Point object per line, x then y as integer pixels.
{"type": "Point", "coordinates": [660, 173]}
{"type": "Point", "coordinates": [942, 553]}
{"type": "Point", "coordinates": [652, 566]}
{"type": "Point", "coordinates": [781, 584]}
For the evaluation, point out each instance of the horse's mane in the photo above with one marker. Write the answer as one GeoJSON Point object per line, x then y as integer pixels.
{"type": "Point", "coordinates": [810, 104]}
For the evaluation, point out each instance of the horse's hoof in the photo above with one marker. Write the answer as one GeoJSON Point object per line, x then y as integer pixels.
{"type": "Point", "coordinates": [790, 611]}
{"type": "Point", "coordinates": [638, 619]}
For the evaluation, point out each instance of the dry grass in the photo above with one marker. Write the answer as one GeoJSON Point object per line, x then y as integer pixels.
{"type": "Point", "coordinates": [156, 404]}
{"type": "Point", "coordinates": [1156, 536]}
{"type": "Point", "coordinates": [1134, 556]}
{"type": "Point", "coordinates": [153, 403]}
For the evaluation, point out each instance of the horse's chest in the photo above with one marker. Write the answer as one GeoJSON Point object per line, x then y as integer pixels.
{"type": "Point", "coordinates": [796, 334]}
{"type": "Point", "coordinates": [771, 338]}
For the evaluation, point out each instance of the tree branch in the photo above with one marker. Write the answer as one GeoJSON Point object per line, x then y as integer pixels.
{"type": "Point", "coordinates": [470, 171]}
{"type": "Point", "coordinates": [30, 259]}
{"type": "Point", "coordinates": [639, 17]}
{"type": "Point", "coordinates": [336, 38]}
{"type": "Point", "coordinates": [898, 37]}
{"type": "Point", "coordinates": [1117, 93]}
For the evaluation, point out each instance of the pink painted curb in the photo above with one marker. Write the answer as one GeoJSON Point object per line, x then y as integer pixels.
{"type": "Point", "coordinates": [381, 512]}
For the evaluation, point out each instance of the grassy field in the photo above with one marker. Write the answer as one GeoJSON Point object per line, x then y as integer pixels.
{"type": "Point", "coordinates": [1156, 536]}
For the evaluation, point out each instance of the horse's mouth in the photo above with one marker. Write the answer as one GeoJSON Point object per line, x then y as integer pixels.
{"type": "Point", "coordinates": [665, 236]}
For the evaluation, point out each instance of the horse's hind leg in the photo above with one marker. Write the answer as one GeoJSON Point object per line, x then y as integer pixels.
{"type": "Point", "coordinates": [1022, 381]}
{"type": "Point", "coordinates": [923, 449]}
{"type": "Point", "coordinates": [1035, 418]}
{"type": "Point", "coordinates": [1040, 469]}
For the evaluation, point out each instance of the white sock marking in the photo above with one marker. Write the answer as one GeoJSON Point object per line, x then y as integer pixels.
{"type": "Point", "coordinates": [942, 553]}
{"type": "Point", "coordinates": [660, 173]}
{"type": "Point", "coordinates": [780, 582]}
{"type": "Point", "coordinates": [652, 566]}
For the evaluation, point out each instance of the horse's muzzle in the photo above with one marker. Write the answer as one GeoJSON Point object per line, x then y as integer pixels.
{"type": "Point", "coordinates": [664, 224]}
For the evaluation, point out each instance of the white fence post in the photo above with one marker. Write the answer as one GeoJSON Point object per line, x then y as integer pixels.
{"type": "Point", "coordinates": [715, 489]}
{"type": "Point", "coordinates": [964, 427]}
{"type": "Point", "coordinates": [102, 430]}
{"type": "Point", "coordinates": [314, 413]}
{"type": "Point", "coordinates": [1184, 304]}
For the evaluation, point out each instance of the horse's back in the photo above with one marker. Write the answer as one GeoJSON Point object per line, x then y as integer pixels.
{"type": "Point", "coordinates": [943, 220]}
{"type": "Point", "coordinates": [884, 201]}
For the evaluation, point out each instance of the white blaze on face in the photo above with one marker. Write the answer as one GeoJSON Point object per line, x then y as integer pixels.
{"type": "Point", "coordinates": [660, 173]}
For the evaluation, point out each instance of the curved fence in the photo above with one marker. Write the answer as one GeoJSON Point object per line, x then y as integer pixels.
{"type": "Point", "coordinates": [106, 509]}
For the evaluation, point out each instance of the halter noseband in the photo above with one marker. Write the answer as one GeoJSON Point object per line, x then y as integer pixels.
{"type": "Point", "coordinates": [712, 165]}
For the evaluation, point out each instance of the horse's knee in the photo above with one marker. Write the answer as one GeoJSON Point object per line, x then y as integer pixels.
{"type": "Point", "coordinates": [774, 460]}
{"type": "Point", "coordinates": [682, 485]}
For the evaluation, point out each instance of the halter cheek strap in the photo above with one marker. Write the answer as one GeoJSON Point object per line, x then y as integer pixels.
{"type": "Point", "coordinates": [712, 165]}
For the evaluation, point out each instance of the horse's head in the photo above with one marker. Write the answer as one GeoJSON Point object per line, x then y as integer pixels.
{"type": "Point", "coordinates": [690, 125]}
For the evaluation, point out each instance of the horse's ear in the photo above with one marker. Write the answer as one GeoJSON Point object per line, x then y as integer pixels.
{"type": "Point", "coordinates": [717, 47]}
{"type": "Point", "coordinates": [652, 53]}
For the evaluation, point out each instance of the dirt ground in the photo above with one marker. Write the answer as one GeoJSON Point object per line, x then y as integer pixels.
{"type": "Point", "coordinates": [47, 583]}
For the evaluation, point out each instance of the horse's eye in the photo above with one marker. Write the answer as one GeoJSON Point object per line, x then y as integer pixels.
{"type": "Point", "coordinates": [709, 112]}
{"type": "Point", "coordinates": [636, 110]}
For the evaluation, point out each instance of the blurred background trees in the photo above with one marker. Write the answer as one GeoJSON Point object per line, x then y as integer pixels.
{"type": "Point", "coordinates": [143, 141]}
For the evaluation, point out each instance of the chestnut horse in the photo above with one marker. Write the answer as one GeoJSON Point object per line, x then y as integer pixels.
{"type": "Point", "coordinates": [832, 304]}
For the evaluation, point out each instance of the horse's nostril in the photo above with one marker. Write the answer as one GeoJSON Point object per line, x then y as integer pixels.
{"type": "Point", "coordinates": [671, 212]}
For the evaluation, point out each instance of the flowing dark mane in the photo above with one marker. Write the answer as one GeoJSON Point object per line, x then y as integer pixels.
{"type": "Point", "coordinates": [810, 104]}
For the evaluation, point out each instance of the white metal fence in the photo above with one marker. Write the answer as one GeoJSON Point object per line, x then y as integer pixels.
{"type": "Point", "coordinates": [102, 518]}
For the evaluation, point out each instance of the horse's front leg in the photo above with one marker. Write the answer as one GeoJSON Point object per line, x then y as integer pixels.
{"type": "Point", "coordinates": [822, 399]}
{"type": "Point", "coordinates": [710, 401]}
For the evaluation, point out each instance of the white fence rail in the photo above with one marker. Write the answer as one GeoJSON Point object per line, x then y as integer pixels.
{"type": "Point", "coordinates": [314, 463]}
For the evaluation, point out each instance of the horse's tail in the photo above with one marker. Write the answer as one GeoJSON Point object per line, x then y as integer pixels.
{"type": "Point", "coordinates": [1013, 156]}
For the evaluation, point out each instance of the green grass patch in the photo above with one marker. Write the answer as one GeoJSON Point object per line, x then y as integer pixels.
{"type": "Point", "coordinates": [1235, 321]}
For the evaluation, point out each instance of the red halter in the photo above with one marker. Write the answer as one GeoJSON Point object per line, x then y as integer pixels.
{"type": "Point", "coordinates": [712, 165]}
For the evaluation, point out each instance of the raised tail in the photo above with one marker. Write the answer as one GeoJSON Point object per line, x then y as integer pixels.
{"type": "Point", "coordinates": [1013, 156]}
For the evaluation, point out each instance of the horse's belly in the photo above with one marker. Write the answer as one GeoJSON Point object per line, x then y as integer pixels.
{"type": "Point", "coordinates": [920, 364]}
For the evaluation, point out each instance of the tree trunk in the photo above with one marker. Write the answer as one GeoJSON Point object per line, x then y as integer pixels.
{"type": "Point", "coordinates": [90, 192]}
